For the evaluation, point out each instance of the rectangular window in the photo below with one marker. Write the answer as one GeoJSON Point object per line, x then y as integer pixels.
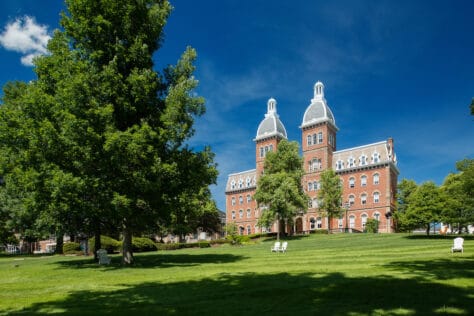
{"type": "Point", "coordinates": [261, 152]}
{"type": "Point", "coordinates": [320, 137]}
{"type": "Point", "coordinates": [309, 140]}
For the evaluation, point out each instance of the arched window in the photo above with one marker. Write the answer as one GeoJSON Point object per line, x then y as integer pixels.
{"type": "Point", "coordinates": [351, 182]}
{"type": "Point", "coordinates": [249, 230]}
{"type": "Point", "coordinates": [376, 178]}
{"type": "Point", "coordinates": [249, 198]}
{"type": "Point", "coordinates": [363, 198]}
{"type": "Point", "coordinates": [271, 147]}
{"type": "Point", "coordinates": [363, 218]}
{"type": "Point", "coordinates": [233, 201]}
{"type": "Point", "coordinates": [340, 222]}
{"type": "Point", "coordinates": [316, 185]}
{"type": "Point", "coordinates": [241, 214]}
{"type": "Point", "coordinates": [363, 181]}
{"type": "Point", "coordinates": [262, 153]}
{"type": "Point", "coordinates": [376, 197]}
{"type": "Point", "coordinates": [310, 186]}
{"type": "Point", "coordinates": [352, 221]}
{"type": "Point", "coordinates": [249, 214]}
{"type": "Point", "coordinates": [309, 140]}
{"type": "Point", "coordinates": [315, 139]}
{"type": "Point", "coordinates": [310, 203]}
{"type": "Point", "coordinates": [351, 199]}
{"type": "Point", "coordinates": [377, 216]}
{"type": "Point", "coordinates": [319, 222]}
{"type": "Point", "coordinates": [241, 200]}
{"type": "Point", "coordinates": [312, 223]}
{"type": "Point", "coordinates": [233, 214]}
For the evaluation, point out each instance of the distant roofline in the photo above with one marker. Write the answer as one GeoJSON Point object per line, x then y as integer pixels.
{"type": "Point", "coordinates": [360, 147]}
{"type": "Point", "coordinates": [241, 172]}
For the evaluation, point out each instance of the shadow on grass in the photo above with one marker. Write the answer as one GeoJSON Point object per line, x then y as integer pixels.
{"type": "Point", "coordinates": [443, 237]}
{"type": "Point", "coordinates": [274, 294]}
{"type": "Point", "coordinates": [155, 260]}
{"type": "Point", "coordinates": [442, 269]}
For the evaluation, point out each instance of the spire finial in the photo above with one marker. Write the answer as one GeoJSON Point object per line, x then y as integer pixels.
{"type": "Point", "coordinates": [271, 106]}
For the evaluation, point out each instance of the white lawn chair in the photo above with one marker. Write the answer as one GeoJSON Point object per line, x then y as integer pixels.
{"type": "Point", "coordinates": [458, 245]}
{"type": "Point", "coordinates": [284, 246]}
{"type": "Point", "coordinates": [102, 255]}
{"type": "Point", "coordinates": [276, 247]}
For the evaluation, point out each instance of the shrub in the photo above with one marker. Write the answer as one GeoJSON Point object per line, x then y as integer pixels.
{"type": "Point", "coordinates": [143, 244]}
{"type": "Point", "coordinates": [167, 246]}
{"type": "Point", "coordinates": [70, 248]}
{"type": "Point", "coordinates": [219, 241]}
{"type": "Point", "coordinates": [204, 244]}
{"type": "Point", "coordinates": [319, 231]}
{"type": "Point", "coordinates": [107, 243]}
{"type": "Point", "coordinates": [372, 225]}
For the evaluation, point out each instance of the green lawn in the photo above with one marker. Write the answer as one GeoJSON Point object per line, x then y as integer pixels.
{"type": "Point", "coordinates": [354, 274]}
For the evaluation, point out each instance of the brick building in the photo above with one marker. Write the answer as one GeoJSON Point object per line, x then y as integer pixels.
{"type": "Point", "coordinates": [368, 174]}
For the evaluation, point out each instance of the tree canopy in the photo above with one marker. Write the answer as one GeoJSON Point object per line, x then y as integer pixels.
{"type": "Point", "coordinates": [99, 138]}
{"type": "Point", "coordinates": [330, 195]}
{"type": "Point", "coordinates": [279, 192]}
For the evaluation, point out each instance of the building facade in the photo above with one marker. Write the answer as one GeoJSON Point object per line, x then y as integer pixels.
{"type": "Point", "coordinates": [368, 174]}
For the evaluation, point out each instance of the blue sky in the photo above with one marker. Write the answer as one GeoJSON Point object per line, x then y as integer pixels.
{"type": "Point", "coordinates": [401, 69]}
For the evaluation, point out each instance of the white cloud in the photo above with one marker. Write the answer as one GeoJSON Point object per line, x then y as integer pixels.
{"type": "Point", "coordinates": [27, 37]}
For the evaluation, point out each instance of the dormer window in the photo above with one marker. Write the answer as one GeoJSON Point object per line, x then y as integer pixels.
{"type": "Point", "coordinates": [376, 157]}
{"type": "Point", "coordinates": [339, 165]}
{"type": "Point", "coordinates": [232, 185]}
{"type": "Point", "coordinates": [363, 160]}
{"type": "Point", "coordinates": [241, 183]}
{"type": "Point", "coordinates": [351, 162]}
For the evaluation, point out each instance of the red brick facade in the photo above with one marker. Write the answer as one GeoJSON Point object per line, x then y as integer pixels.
{"type": "Point", "coordinates": [368, 174]}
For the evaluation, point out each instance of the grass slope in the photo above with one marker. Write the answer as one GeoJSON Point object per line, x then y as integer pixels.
{"type": "Point", "coordinates": [360, 274]}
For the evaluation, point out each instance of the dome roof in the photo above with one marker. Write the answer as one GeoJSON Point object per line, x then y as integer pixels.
{"type": "Point", "coordinates": [318, 111]}
{"type": "Point", "coordinates": [271, 124]}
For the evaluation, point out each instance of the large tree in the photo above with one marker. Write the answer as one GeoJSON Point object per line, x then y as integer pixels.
{"type": "Point", "coordinates": [330, 195]}
{"type": "Point", "coordinates": [404, 189]}
{"type": "Point", "coordinates": [100, 132]}
{"type": "Point", "coordinates": [425, 206]}
{"type": "Point", "coordinates": [458, 212]}
{"type": "Point", "coordinates": [279, 191]}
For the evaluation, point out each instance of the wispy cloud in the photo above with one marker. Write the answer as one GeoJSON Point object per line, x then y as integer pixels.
{"type": "Point", "coordinates": [25, 36]}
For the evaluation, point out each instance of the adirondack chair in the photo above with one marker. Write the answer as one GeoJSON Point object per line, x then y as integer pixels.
{"type": "Point", "coordinates": [458, 245]}
{"type": "Point", "coordinates": [284, 246]}
{"type": "Point", "coordinates": [276, 247]}
{"type": "Point", "coordinates": [102, 255]}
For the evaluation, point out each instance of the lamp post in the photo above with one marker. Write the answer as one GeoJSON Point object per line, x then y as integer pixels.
{"type": "Point", "coordinates": [347, 206]}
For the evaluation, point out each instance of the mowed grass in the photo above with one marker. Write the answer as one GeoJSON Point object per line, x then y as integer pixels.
{"type": "Point", "coordinates": [353, 274]}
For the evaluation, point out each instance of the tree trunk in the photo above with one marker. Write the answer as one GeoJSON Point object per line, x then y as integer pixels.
{"type": "Point", "coordinates": [278, 229]}
{"type": "Point", "coordinates": [329, 224]}
{"type": "Point", "coordinates": [127, 252]}
{"type": "Point", "coordinates": [97, 243]}
{"type": "Point", "coordinates": [428, 230]}
{"type": "Point", "coordinates": [59, 243]}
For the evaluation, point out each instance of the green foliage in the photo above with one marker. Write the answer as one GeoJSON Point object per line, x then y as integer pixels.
{"type": "Point", "coordinates": [279, 191]}
{"type": "Point", "coordinates": [330, 195]}
{"type": "Point", "coordinates": [108, 243]}
{"type": "Point", "coordinates": [71, 248]}
{"type": "Point", "coordinates": [143, 244]}
{"type": "Point", "coordinates": [425, 206]}
{"type": "Point", "coordinates": [232, 235]}
{"type": "Point", "coordinates": [204, 244]}
{"type": "Point", "coordinates": [372, 225]}
{"type": "Point", "coordinates": [99, 139]}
